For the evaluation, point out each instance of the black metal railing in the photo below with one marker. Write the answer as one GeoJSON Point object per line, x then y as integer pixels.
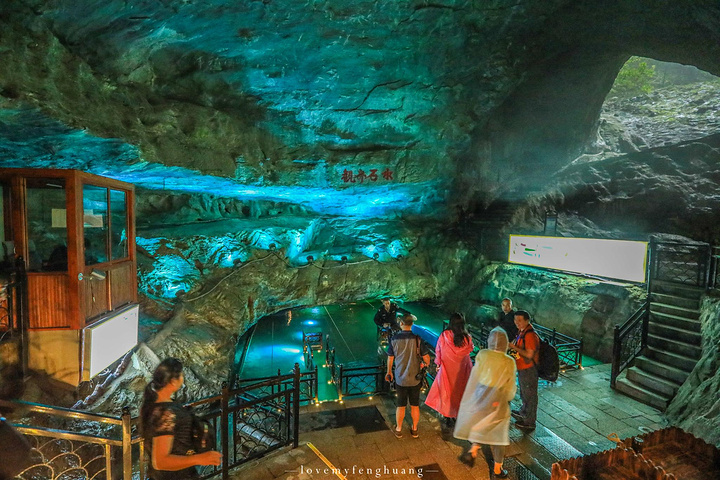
{"type": "Point", "coordinates": [252, 420]}
{"type": "Point", "coordinates": [71, 444]}
{"type": "Point", "coordinates": [330, 359]}
{"type": "Point", "coordinates": [569, 349]}
{"type": "Point", "coordinates": [274, 384]}
{"type": "Point", "coordinates": [714, 275]}
{"type": "Point", "coordinates": [629, 341]}
{"type": "Point", "coordinates": [681, 263]}
{"type": "Point", "coordinates": [362, 380]}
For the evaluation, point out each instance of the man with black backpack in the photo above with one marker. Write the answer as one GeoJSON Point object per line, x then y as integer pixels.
{"type": "Point", "coordinates": [527, 345]}
{"type": "Point", "coordinates": [408, 355]}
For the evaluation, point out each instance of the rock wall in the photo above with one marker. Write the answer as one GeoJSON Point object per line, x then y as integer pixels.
{"type": "Point", "coordinates": [696, 407]}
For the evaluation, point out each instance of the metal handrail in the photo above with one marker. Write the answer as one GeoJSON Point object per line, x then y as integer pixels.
{"type": "Point", "coordinates": [62, 412]}
{"type": "Point", "coordinates": [125, 440]}
{"type": "Point", "coordinates": [621, 333]}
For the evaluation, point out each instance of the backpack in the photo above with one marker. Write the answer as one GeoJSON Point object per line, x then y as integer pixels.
{"type": "Point", "coordinates": [548, 362]}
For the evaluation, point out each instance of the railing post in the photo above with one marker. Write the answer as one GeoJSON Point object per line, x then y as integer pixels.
{"type": "Point", "coordinates": [316, 385]}
{"type": "Point", "coordinates": [296, 405]}
{"type": "Point", "coordinates": [651, 268]}
{"type": "Point", "coordinates": [339, 384]}
{"type": "Point", "coordinates": [224, 429]}
{"type": "Point", "coordinates": [708, 265]}
{"type": "Point", "coordinates": [645, 325]}
{"type": "Point", "coordinates": [126, 444]}
{"type": "Point", "coordinates": [141, 445]}
{"type": "Point", "coordinates": [580, 354]}
{"type": "Point", "coordinates": [616, 356]}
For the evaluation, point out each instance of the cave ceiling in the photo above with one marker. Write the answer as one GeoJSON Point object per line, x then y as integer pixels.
{"type": "Point", "coordinates": [429, 102]}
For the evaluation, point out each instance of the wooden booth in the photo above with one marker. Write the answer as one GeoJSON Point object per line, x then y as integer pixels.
{"type": "Point", "coordinates": [76, 234]}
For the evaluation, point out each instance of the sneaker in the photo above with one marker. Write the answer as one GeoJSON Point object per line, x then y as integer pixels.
{"type": "Point", "coordinates": [524, 426]}
{"type": "Point", "coordinates": [503, 474]}
{"type": "Point", "coordinates": [467, 459]}
{"type": "Point", "coordinates": [398, 433]}
{"type": "Point", "coordinates": [414, 433]}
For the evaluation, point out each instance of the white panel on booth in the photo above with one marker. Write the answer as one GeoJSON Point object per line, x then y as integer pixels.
{"type": "Point", "coordinates": [109, 339]}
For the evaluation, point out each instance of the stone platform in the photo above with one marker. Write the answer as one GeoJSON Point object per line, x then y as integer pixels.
{"type": "Point", "coordinates": [574, 417]}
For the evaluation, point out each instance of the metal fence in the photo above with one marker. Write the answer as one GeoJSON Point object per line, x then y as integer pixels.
{"type": "Point", "coordinates": [252, 420]}
{"type": "Point", "coordinates": [681, 263]}
{"type": "Point", "coordinates": [569, 349]}
{"type": "Point", "coordinates": [275, 384]}
{"type": "Point", "coordinates": [714, 275]}
{"type": "Point", "coordinates": [362, 380]}
{"type": "Point", "coordinates": [249, 422]}
{"type": "Point", "coordinates": [630, 339]}
{"type": "Point", "coordinates": [114, 449]}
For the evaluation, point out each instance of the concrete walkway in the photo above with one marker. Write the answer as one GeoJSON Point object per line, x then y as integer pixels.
{"type": "Point", "coordinates": [575, 415]}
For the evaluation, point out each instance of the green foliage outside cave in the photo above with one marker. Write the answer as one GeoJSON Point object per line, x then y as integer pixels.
{"type": "Point", "coordinates": [643, 75]}
{"type": "Point", "coordinates": [634, 78]}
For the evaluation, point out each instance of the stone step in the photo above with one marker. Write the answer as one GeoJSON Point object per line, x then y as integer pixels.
{"type": "Point", "coordinates": [675, 321]}
{"type": "Point", "coordinates": [662, 370]}
{"type": "Point", "coordinates": [689, 303]}
{"type": "Point", "coordinates": [679, 361]}
{"type": "Point", "coordinates": [687, 336]}
{"type": "Point", "coordinates": [653, 383]}
{"type": "Point", "coordinates": [641, 394]}
{"type": "Point", "coordinates": [676, 310]}
{"type": "Point", "coordinates": [674, 346]}
{"type": "Point", "coordinates": [677, 289]}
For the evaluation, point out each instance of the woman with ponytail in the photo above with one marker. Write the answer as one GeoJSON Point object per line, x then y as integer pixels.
{"type": "Point", "coordinates": [167, 427]}
{"type": "Point", "coordinates": [452, 355]}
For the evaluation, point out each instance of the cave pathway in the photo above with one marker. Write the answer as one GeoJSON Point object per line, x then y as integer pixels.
{"type": "Point", "coordinates": [277, 341]}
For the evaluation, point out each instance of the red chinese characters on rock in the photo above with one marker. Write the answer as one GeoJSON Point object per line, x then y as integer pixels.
{"type": "Point", "coordinates": [348, 176]}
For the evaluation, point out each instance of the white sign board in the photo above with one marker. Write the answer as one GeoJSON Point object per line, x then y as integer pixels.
{"type": "Point", "coordinates": [108, 340]}
{"type": "Point", "coordinates": [619, 259]}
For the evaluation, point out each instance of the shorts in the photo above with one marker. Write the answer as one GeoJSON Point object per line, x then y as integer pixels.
{"type": "Point", "coordinates": [408, 393]}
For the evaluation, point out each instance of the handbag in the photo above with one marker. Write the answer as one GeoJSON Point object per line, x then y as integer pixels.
{"type": "Point", "coordinates": [202, 435]}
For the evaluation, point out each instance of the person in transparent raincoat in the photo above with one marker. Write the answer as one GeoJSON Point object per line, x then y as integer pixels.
{"type": "Point", "coordinates": [484, 415]}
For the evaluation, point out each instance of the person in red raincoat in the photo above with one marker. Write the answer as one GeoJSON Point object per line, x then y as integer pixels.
{"type": "Point", "coordinates": [452, 355]}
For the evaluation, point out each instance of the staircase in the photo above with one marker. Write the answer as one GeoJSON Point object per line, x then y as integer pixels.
{"type": "Point", "coordinates": [673, 345]}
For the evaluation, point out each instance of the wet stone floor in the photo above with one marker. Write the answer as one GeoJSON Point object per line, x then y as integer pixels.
{"type": "Point", "coordinates": [352, 440]}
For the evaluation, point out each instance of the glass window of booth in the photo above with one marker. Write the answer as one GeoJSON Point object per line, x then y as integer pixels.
{"type": "Point", "coordinates": [118, 224]}
{"type": "Point", "coordinates": [46, 224]}
{"type": "Point", "coordinates": [95, 224]}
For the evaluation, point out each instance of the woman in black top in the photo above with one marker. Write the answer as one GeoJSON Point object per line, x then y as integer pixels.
{"type": "Point", "coordinates": [167, 427]}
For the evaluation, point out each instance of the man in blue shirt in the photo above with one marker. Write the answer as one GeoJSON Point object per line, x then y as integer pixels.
{"type": "Point", "coordinates": [408, 354]}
